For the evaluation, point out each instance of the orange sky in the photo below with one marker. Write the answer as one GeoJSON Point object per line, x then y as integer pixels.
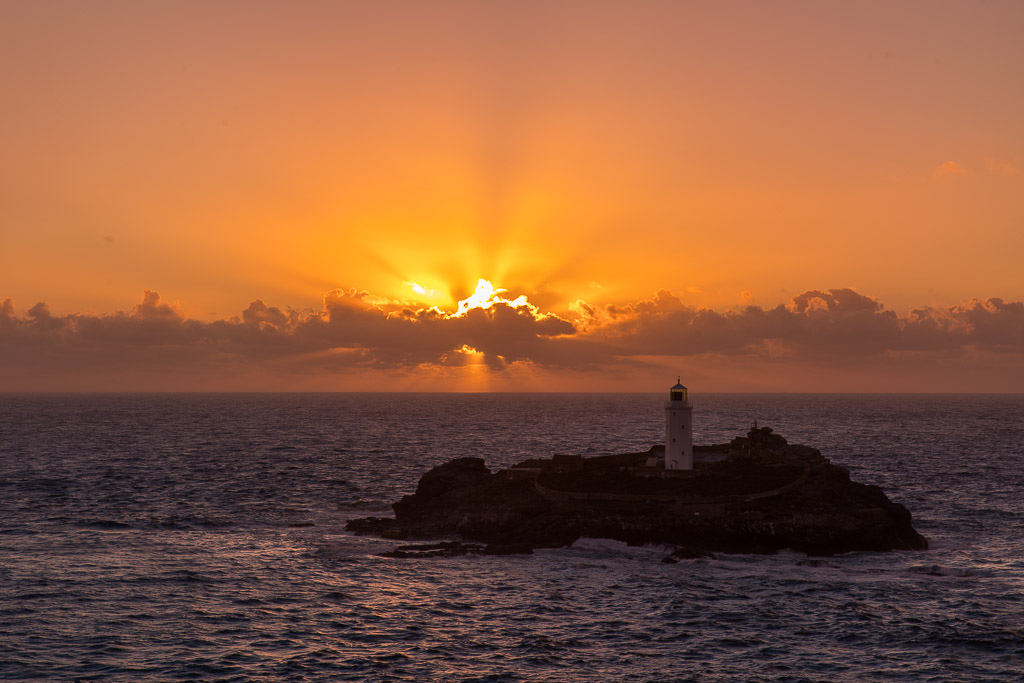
{"type": "Point", "coordinates": [732, 153]}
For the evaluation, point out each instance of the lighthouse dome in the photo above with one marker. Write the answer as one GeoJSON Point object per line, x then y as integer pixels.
{"type": "Point", "coordinates": [678, 392]}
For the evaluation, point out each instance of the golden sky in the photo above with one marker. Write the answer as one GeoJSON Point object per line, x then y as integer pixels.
{"type": "Point", "coordinates": [649, 175]}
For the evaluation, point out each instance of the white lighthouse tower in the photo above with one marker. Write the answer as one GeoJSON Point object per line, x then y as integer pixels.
{"type": "Point", "coordinates": [678, 430]}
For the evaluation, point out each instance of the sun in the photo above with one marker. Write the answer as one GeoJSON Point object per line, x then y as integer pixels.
{"type": "Point", "coordinates": [485, 296]}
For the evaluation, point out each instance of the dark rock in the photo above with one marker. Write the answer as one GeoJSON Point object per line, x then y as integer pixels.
{"type": "Point", "coordinates": [508, 549]}
{"type": "Point", "coordinates": [450, 480]}
{"type": "Point", "coordinates": [691, 554]}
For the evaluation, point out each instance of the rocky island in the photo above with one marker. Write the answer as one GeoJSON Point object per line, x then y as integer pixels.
{"type": "Point", "coordinates": [756, 494]}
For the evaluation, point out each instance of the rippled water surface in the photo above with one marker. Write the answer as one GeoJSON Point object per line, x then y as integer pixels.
{"type": "Point", "coordinates": [170, 537]}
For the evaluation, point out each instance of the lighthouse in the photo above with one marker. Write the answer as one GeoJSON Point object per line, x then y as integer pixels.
{"type": "Point", "coordinates": [678, 430]}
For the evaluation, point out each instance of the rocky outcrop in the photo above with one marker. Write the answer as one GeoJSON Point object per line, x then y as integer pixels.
{"type": "Point", "coordinates": [760, 496]}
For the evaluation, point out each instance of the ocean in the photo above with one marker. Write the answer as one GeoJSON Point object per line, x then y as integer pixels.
{"type": "Point", "coordinates": [163, 537]}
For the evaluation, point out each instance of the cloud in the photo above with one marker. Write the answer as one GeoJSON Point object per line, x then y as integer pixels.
{"type": "Point", "coordinates": [258, 314]}
{"type": "Point", "coordinates": [503, 332]}
{"type": "Point", "coordinates": [814, 325]}
{"type": "Point", "coordinates": [151, 308]}
{"type": "Point", "coordinates": [157, 345]}
{"type": "Point", "coordinates": [949, 168]}
{"type": "Point", "coordinates": [1000, 167]}
{"type": "Point", "coordinates": [993, 166]}
{"type": "Point", "coordinates": [7, 318]}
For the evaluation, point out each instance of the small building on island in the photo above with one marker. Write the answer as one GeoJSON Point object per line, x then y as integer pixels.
{"type": "Point", "coordinates": [678, 429]}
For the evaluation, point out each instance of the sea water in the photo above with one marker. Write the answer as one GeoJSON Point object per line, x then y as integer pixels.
{"type": "Point", "coordinates": [201, 536]}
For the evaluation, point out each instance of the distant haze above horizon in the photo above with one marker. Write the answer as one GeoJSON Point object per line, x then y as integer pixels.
{"type": "Point", "coordinates": [570, 196]}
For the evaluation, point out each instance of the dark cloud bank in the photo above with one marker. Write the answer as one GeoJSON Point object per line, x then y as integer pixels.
{"type": "Point", "coordinates": [154, 342]}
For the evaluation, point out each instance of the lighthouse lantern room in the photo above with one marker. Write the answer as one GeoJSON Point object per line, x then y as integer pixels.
{"type": "Point", "coordinates": [678, 430]}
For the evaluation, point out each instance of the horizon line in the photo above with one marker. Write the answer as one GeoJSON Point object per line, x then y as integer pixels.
{"type": "Point", "coordinates": [462, 393]}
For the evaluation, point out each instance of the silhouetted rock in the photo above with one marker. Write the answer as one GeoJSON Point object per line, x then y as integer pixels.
{"type": "Point", "coordinates": [761, 495]}
{"type": "Point", "coordinates": [447, 481]}
{"type": "Point", "coordinates": [687, 554]}
{"type": "Point", "coordinates": [508, 549]}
